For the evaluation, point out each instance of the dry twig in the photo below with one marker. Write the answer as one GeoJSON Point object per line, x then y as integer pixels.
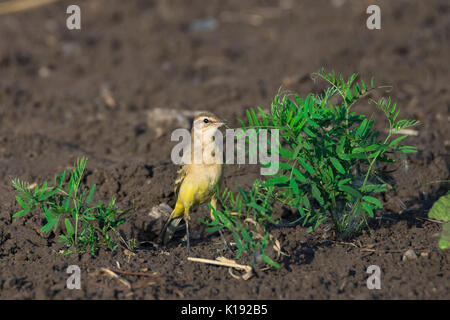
{"type": "Point", "coordinates": [431, 220]}
{"type": "Point", "coordinates": [115, 276]}
{"type": "Point", "coordinates": [131, 273]}
{"type": "Point", "coordinates": [222, 261]}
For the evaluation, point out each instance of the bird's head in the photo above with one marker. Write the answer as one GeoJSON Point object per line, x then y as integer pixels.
{"type": "Point", "coordinates": [207, 121]}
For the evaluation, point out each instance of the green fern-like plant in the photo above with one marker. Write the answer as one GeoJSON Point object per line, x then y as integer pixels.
{"type": "Point", "coordinates": [332, 160]}
{"type": "Point", "coordinates": [247, 216]}
{"type": "Point", "coordinates": [86, 227]}
{"type": "Point", "coordinates": [331, 168]}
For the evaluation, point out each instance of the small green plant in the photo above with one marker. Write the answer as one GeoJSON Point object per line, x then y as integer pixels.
{"type": "Point", "coordinates": [332, 160]}
{"type": "Point", "coordinates": [86, 227]}
{"type": "Point", "coordinates": [246, 216]}
{"type": "Point", "coordinates": [332, 166]}
{"type": "Point", "coordinates": [441, 212]}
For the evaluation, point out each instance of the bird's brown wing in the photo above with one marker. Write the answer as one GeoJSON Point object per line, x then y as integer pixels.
{"type": "Point", "coordinates": [171, 224]}
{"type": "Point", "coordinates": [181, 174]}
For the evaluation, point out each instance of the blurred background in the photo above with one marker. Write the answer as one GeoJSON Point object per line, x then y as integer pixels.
{"type": "Point", "coordinates": [93, 87]}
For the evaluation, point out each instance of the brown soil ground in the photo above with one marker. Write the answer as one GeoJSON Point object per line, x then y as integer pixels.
{"type": "Point", "coordinates": [149, 55]}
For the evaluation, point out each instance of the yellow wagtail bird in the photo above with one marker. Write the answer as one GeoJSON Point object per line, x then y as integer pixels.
{"type": "Point", "coordinates": [197, 179]}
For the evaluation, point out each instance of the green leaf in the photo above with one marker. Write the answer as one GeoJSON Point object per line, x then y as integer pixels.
{"type": "Point", "coordinates": [224, 219]}
{"type": "Point", "coordinates": [20, 214]}
{"type": "Point", "coordinates": [316, 194]}
{"type": "Point", "coordinates": [319, 222]}
{"type": "Point", "coordinates": [374, 201]}
{"type": "Point", "coordinates": [49, 225]}
{"type": "Point", "coordinates": [371, 148]}
{"type": "Point", "coordinates": [444, 241]}
{"type": "Point", "coordinates": [91, 193]}
{"type": "Point", "coordinates": [396, 141]}
{"type": "Point", "coordinates": [441, 209]}
{"type": "Point", "coordinates": [276, 181]}
{"type": "Point", "coordinates": [43, 189]}
{"type": "Point", "coordinates": [249, 117]}
{"type": "Point", "coordinates": [255, 118]}
{"type": "Point", "coordinates": [22, 203]}
{"type": "Point", "coordinates": [357, 156]}
{"type": "Point", "coordinates": [357, 150]}
{"type": "Point", "coordinates": [306, 202]}
{"type": "Point", "coordinates": [66, 203]}
{"type": "Point", "coordinates": [309, 132]}
{"type": "Point", "coordinates": [301, 211]}
{"type": "Point", "coordinates": [344, 156]}
{"type": "Point", "coordinates": [269, 261]}
{"type": "Point", "coordinates": [288, 154]}
{"type": "Point", "coordinates": [69, 227]}
{"type": "Point", "coordinates": [409, 150]}
{"type": "Point", "coordinates": [313, 123]}
{"type": "Point", "coordinates": [306, 166]}
{"type": "Point", "coordinates": [246, 236]}
{"type": "Point", "coordinates": [344, 181]}
{"type": "Point", "coordinates": [257, 207]}
{"type": "Point", "coordinates": [36, 191]}
{"type": "Point", "coordinates": [63, 239]}
{"type": "Point", "coordinates": [48, 214]}
{"type": "Point", "coordinates": [444, 244]}
{"type": "Point", "coordinates": [214, 229]}
{"type": "Point", "coordinates": [340, 146]}
{"type": "Point", "coordinates": [294, 187]}
{"type": "Point", "coordinates": [335, 162]}
{"type": "Point", "coordinates": [355, 193]}
{"type": "Point", "coordinates": [298, 175]}
{"type": "Point", "coordinates": [54, 191]}
{"type": "Point", "coordinates": [52, 220]}
{"type": "Point", "coordinates": [243, 193]}
{"type": "Point", "coordinates": [361, 128]}
{"type": "Point", "coordinates": [368, 209]}
{"type": "Point", "coordinates": [61, 178]}
{"type": "Point", "coordinates": [263, 116]}
{"type": "Point", "coordinates": [300, 126]}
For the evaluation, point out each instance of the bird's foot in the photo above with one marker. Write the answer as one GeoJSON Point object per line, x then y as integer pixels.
{"type": "Point", "coordinates": [187, 237]}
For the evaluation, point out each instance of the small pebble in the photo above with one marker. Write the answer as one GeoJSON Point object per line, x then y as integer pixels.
{"type": "Point", "coordinates": [208, 25]}
{"type": "Point", "coordinates": [44, 72]}
{"type": "Point", "coordinates": [162, 210]}
{"type": "Point", "coordinates": [160, 119]}
{"type": "Point", "coordinates": [409, 255]}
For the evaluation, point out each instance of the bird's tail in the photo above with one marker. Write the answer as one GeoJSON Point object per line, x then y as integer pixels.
{"type": "Point", "coordinates": [171, 224]}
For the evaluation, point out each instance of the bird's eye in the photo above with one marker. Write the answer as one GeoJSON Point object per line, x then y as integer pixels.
{"type": "Point", "coordinates": [205, 120]}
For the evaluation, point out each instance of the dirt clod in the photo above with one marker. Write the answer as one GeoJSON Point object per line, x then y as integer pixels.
{"type": "Point", "coordinates": [409, 255]}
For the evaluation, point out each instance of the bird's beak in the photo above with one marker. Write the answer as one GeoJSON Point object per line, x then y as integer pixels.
{"type": "Point", "coordinates": [221, 123]}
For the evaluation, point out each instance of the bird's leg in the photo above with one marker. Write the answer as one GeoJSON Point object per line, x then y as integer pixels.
{"type": "Point", "coordinates": [227, 246]}
{"type": "Point", "coordinates": [214, 205]}
{"type": "Point", "coordinates": [187, 237]}
{"type": "Point", "coordinates": [186, 220]}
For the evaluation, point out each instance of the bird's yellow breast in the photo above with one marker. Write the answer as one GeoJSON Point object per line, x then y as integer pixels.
{"type": "Point", "coordinates": [199, 184]}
